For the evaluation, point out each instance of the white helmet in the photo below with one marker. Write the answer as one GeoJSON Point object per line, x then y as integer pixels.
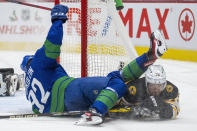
{"type": "Point", "coordinates": [155, 74]}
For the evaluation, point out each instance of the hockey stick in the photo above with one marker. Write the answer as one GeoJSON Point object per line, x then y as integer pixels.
{"type": "Point", "coordinates": [27, 4]}
{"type": "Point", "coordinates": [32, 115]}
{"type": "Point", "coordinates": [112, 113]}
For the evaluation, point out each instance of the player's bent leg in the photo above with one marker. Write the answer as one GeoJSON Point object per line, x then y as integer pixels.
{"type": "Point", "coordinates": [104, 101]}
{"type": "Point", "coordinates": [109, 96]}
{"type": "Point", "coordinates": [138, 66]}
{"type": "Point", "coordinates": [74, 99]}
{"type": "Point", "coordinates": [134, 69]}
{"type": "Point", "coordinates": [58, 96]}
{"type": "Point", "coordinates": [81, 96]}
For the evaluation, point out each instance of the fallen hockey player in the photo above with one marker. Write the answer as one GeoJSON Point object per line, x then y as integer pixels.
{"type": "Point", "coordinates": [50, 89]}
{"type": "Point", "coordinates": [149, 98]}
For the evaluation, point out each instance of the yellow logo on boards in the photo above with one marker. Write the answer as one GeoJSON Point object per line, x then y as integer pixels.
{"type": "Point", "coordinates": [114, 50]}
{"type": "Point", "coordinates": [132, 90]}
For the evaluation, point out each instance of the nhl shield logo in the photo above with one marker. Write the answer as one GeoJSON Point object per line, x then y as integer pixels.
{"type": "Point", "coordinates": [25, 15]}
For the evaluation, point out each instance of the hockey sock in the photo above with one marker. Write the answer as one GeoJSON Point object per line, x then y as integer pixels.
{"type": "Point", "coordinates": [109, 96]}
{"type": "Point", "coordinates": [134, 69]}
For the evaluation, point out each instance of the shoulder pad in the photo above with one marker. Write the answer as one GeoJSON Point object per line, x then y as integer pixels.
{"type": "Point", "coordinates": [170, 91]}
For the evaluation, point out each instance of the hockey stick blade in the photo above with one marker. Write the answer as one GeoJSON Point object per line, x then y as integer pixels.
{"type": "Point", "coordinates": [28, 4]}
{"type": "Point", "coordinates": [32, 115]}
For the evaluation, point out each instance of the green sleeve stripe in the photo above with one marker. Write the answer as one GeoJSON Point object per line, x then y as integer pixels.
{"type": "Point", "coordinates": [132, 71]}
{"type": "Point", "coordinates": [51, 50]}
{"type": "Point", "coordinates": [108, 98]}
{"type": "Point", "coordinates": [35, 110]}
{"type": "Point", "coordinates": [58, 89]}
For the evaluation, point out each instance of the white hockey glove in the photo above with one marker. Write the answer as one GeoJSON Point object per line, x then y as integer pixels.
{"type": "Point", "coordinates": [157, 48]}
{"type": "Point", "coordinates": [11, 83]}
{"type": "Point", "coordinates": [8, 82]}
{"type": "Point", "coordinates": [3, 88]}
{"type": "Point", "coordinates": [92, 117]}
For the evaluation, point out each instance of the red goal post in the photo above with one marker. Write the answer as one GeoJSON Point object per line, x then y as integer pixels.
{"type": "Point", "coordinates": [84, 37]}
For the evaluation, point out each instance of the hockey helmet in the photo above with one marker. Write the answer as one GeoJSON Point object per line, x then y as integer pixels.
{"type": "Point", "coordinates": [26, 60]}
{"type": "Point", "coordinates": [155, 78]}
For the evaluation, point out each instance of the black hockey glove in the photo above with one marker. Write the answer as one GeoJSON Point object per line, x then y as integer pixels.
{"type": "Point", "coordinates": [165, 111]}
{"type": "Point", "coordinates": [148, 109]}
{"type": "Point", "coordinates": [59, 13]}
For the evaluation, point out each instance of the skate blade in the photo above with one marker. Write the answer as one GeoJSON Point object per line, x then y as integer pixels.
{"type": "Point", "coordinates": [96, 120]}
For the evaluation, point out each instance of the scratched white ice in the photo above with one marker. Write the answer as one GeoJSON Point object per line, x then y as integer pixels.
{"type": "Point", "coordinates": [182, 74]}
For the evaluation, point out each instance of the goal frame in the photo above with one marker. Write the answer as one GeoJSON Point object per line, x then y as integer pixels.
{"type": "Point", "coordinates": [84, 69]}
{"type": "Point", "coordinates": [84, 38]}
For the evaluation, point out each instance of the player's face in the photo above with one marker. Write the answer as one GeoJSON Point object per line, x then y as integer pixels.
{"type": "Point", "coordinates": [154, 89]}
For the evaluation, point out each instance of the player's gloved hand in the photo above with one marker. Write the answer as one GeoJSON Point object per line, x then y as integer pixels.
{"type": "Point", "coordinates": [92, 117]}
{"type": "Point", "coordinates": [157, 48]}
{"type": "Point", "coordinates": [149, 108]}
{"type": "Point", "coordinates": [119, 4]}
{"type": "Point", "coordinates": [142, 112]}
{"type": "Point", "coordinates": [59, 13]}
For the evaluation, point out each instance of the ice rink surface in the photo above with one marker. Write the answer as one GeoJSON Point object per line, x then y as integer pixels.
{"type": "Point", "coordinates": [182, 74]}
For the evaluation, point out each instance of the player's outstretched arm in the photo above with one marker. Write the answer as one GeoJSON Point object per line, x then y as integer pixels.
{"type": "Point", "coordinates": [138, 66]}
{"type": "Point", "coordinates": [51, 47]}
{"type": "Point", "coordinates": [55, 35]}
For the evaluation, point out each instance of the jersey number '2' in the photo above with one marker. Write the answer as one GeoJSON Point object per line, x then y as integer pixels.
{"type": "Point", "coordinates": [44, 96]}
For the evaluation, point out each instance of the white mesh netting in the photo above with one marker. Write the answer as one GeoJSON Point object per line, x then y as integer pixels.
{"type": "Point", "coordinates": [108, 43]}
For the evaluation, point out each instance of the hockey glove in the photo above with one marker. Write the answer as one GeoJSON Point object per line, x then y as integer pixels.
{"type": "Point", "coordinates": [149, 108]}
{"type": "Point", "coordinates": [59, 13]}
{"type": "Point", "coordinates": [11, 83]}
{"type": "Point", "coordinates": [119, 4]}
{"type": "Point", "coordinates": [157, 48]}
{"type": "Point", "coordinates": [92, 117]}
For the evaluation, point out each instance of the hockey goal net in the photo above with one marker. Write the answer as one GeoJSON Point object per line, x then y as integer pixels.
{"type": "Point", "coordinates": [95, 40]}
